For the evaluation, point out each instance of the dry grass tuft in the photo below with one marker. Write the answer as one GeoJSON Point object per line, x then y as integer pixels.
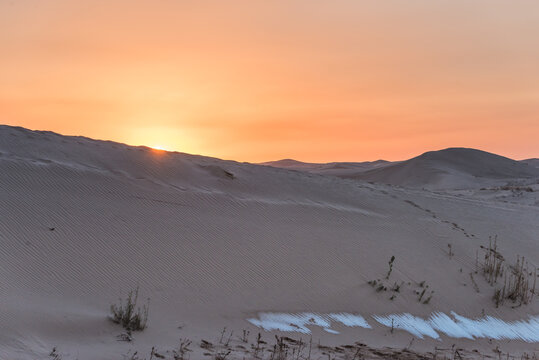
{"type": "Point", "coordinates": [131, 317]}
{"type": "Point", "coordinates": [518, 286]}
{"type": "Point", "coordinates": [493, 263]}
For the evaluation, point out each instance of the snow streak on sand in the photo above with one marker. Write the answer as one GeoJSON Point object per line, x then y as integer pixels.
{"type": "Point", "coordinates": [462, 327]}
{"type": "Point", "coordinates": [459, 327]}
{"type": "Point", "coordinates": [298, 322]}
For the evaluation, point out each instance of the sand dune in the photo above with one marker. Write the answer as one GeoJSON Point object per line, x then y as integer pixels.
{"type": "Point", "coordinates": [452, 168]}
{"type": "Point", "coordinates": [531, 162]}
{"type": "Point", "coordinates": [333, 168]}
{"type": "Point", "coordinates": [214, 243]}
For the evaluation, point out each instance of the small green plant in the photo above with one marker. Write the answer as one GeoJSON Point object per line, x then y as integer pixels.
{"type": "Point", "coordinates": [128, 315]}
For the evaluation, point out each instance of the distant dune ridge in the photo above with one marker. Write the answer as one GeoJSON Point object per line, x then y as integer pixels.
{"type": "Point", "coordinates": [450, 168]}
{"type": "Point", "coordinates": [532, 162]}
{"type": "Point", "coordinates": [214, 243]}
{"type": "Point", "coordinates": [333, 168]}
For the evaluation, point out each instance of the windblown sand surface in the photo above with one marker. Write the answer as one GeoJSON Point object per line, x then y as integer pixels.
{"type": "Point", "coordinates": [215, 243]}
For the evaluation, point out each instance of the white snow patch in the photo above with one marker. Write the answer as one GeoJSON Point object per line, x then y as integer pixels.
{"type": "Point", "coordinates": [456, 327]}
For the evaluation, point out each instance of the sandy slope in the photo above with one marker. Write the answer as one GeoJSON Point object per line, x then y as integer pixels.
{"type": "Point", "coordinates": [453, 168]}
{"type": "Point", "coordinates": [531, 162]}
{"type": "Point", "coordinates": [214, 242]}
{"type": "Point", "coordinates": [448, 169]}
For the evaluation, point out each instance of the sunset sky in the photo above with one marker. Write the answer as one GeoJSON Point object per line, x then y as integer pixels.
{"type": "Point", "coordinates": [314, 80]}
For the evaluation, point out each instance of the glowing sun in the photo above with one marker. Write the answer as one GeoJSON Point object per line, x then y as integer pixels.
{"type": "Point", "coordinates": [159, 147]}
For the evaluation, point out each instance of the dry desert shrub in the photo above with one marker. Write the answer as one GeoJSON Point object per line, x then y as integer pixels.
{"type": "Point", "coordinates": [390, 267]}
{"type": "Point", "coordinates": [131, 317]}
{"type": "Point", "coordinates": [493, 263]}
{"type": "Point", "coordinates": [182, 351]}
{"type": "Point", "coordinates": [519, 286]}
{"type": "Point", "coordinates": [519, 279]}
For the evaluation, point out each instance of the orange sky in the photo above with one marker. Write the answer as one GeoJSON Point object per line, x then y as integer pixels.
{"type": "Point", "coordinates": [254, 80]}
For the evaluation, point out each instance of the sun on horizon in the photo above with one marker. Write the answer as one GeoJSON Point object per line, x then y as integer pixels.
{"type": "Point", "coordinates": [256, 81]}
{"type": "Point", "coordinates": [159, 147]}
{"type": "Point", "coordinates": [272, 176]}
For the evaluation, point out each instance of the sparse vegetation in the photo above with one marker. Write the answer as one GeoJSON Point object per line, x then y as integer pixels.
{"type": "Point", "coordinates": [493, 262]}
{"type": "Point", "coordinates": [474, 284]}
{"type": "Point", "coordinates": [519, 280]}
{"type": "Point", "coordinates": [183, 349]}
{"type": "Point", "coordinates": [258, 346]}
{"type": "Point", "coordinates": [390, 267]}
{"type": "Point", "coordinates": [427, 300]}
{"type": "Point", "coordinates": [205, 344]}
{"type": "Point", "coordinates": [128, 315]}
{"type": "Point", "coordinates": [245, 336]}
{"type": "Point", "coordinates": [155, 354]}
{"type": "Point", "coordinates": [288, 348]}
{"type": "Point", "coordinates": [54, 355]}
{"type": "Point", "coordinates": [381, 285]}
{"type": "Point", "coordinates": [222, 355]}
{"type": "Point", "coordinates": [423, 292]}
{"type": "Point", "coordinates": [397, 287]}
{"type": "Point", "coordinates": [133, 356]}
{"type": "Point", "coordinates": [518, 286]}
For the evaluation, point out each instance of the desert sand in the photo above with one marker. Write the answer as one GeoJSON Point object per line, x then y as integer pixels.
{"type": "Point", "coordinates": [217, 244]}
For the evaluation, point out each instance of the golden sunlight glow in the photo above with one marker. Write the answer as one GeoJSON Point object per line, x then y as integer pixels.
{"type": "Point", "coordinates": [159, 147]}
{"type": "Point", "coordinates": [263, 80]}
